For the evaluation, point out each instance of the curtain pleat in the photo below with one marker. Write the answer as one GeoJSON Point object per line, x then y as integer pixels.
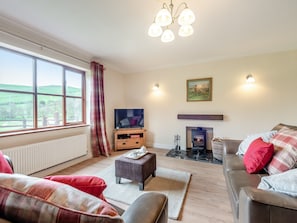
{"type": "Point", "coordinates": [99, 140]}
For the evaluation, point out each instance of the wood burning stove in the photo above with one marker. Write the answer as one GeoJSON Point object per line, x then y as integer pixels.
{"type": "Point", "coordinates": [199, 142]}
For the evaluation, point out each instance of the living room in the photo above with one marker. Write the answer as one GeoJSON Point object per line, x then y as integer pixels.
{"type": "Point", "coordinates": [246, 108]}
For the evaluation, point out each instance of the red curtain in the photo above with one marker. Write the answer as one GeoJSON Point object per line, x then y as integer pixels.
{"type": "Point", "coordinates": [100, 143]}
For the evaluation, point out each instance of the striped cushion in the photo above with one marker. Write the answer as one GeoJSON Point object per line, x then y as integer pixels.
{"type": "Point", "coordinates": [283, 160]}
{"type": "Point", "coordinates": [285, 157]}
{"type": "Point", "coordinates": [284, 137]}
{"type": "Point", "coordinates": [30, 199]}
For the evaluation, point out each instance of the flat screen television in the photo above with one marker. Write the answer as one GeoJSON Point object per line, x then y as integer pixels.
{"type": "Point", "coordinates": [128, 118]}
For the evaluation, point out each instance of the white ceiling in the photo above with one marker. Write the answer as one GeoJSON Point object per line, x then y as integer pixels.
{"type": "Point", "coordinates": [115, 31]}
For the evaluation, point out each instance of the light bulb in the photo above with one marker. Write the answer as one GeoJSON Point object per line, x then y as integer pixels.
{"type": "Point", "coordinates": [167, 36]}
{"type": "Point", "coordinates": [163, 18]}
{"type": "Point", "coordinates": [186, 17]}
{"type": "Point", "coordinates": [155, 30]}
{"type": "Point", "coordinates": [185, 30]}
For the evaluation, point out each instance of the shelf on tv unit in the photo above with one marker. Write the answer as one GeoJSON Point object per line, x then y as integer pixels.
{"type": "Point", "coordinates": [132, 138]}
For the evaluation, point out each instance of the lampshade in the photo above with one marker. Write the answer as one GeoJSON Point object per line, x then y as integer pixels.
{"type": "Point", "coordinates": [167, 17]}
{"type": "Point", "coordinates": [167, 36]}
{"type": "Point", "coordinates": [185, 30]}
{"type": "Point", "coordinates": [186, 17]}
{"type": "Point", "coordinates": [155, 30]}
{"type": "Point", "coordinates": [163, 18]}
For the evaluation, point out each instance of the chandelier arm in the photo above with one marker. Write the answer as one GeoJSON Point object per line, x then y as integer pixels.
{"type": "Point", "coordinates": [165, 6]}
{"type": "Point", "coordinates": [178, 11]}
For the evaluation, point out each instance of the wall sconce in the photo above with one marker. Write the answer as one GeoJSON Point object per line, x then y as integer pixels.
{"type": "Point", "coordinates": [250, 78]}
{"type": "Point", "coordinates": [156, 87]}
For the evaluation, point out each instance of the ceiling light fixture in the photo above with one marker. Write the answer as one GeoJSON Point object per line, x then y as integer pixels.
{"type": "Point", "coordinates": [156, 87]}
{"type": "Point", "coordinates": [166, 17]}
{"type": "Point", "coordinates": [250, 78]}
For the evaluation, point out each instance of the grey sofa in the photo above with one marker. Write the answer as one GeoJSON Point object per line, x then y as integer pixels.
{"type": "Point", "coordinates": [249, 204]}
{"type": "Point", "coordinates": [149, 208]}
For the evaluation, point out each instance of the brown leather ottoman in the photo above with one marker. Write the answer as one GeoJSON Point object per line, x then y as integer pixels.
{"type": "Point", "coordinates": [135, 169]}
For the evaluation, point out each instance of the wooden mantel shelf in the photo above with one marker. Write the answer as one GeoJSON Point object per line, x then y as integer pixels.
{"type": "Point", "coordinates": [200, 117]}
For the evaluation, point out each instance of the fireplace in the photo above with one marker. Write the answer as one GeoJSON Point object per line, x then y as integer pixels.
{"type": "Point", "coordinates": [198, 139]}
{"type": "Point", "coordinates": [205, 136]}
{"type": "Point", "coordinates": [199, 142]}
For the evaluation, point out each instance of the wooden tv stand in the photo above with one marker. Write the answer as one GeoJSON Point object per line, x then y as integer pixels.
{"type": "Point", "coordinates": [129, 138]}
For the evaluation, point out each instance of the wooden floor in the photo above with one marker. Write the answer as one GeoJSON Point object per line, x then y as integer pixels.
{"type": "Point", "coordinates": [206, 200]}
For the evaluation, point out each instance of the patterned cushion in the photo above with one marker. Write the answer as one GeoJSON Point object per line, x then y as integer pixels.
{"type": "Point", "coordinates": [286, 155]}
{"type": "Point", "coordinates": [29, 199]}
{"type": "Point", "coordinates": [283, 160]}
{"type": "Point", "coordinates": [258, 155]}
{"type": "Point", "coordinates": [284, 137]}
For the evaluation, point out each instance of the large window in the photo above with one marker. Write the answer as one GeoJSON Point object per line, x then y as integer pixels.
{"type": "Point", "coordinates": [36, 93]}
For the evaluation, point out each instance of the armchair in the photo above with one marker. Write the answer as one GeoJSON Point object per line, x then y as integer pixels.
{"type": "Point", "coordinates": [148, 208]}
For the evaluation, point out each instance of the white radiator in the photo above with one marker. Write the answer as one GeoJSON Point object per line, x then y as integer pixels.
{"type": "Point", "coordinates": [29, 159]}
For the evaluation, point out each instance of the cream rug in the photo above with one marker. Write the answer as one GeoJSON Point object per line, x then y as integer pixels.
{"type": "Point", "coordinates": [170, 182]}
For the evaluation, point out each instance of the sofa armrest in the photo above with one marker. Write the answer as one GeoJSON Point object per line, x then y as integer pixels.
{"type": "Point", "coordinates": [257, 206]}
{"type": "Point", "coordinates": [148, 208]}
{"type": "Point", "coordinates": [231, 146]}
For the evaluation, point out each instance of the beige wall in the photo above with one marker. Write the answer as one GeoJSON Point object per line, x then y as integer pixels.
{"type": "Point", "coordinates": [114, 89]}
{"type": "Point", "coordinates": [246, 109]}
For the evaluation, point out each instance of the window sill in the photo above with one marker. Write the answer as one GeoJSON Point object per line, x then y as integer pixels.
{"type": "Point", "coordinates": [41, 130]}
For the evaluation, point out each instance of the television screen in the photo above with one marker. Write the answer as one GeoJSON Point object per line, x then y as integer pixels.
{"type": "Point", "coordinates": [129, 118]}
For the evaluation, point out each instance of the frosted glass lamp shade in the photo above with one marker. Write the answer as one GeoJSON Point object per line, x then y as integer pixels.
{"type": "Point", "coordinates": [185, 30]}
{"type": "Point", "coordinates": [167, 36]}
{"type": "Point", "coordinates": [155, 30]}
{"type": "Point", "coordinates": [186, 17]}
{"type": "Point", "coordinates": [163, 18]}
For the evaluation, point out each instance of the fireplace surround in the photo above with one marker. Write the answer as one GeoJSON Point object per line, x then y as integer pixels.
{"type": "Point", "coordinates": [198, 145]}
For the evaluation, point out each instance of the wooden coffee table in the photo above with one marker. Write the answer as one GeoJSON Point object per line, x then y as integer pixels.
{"type": "Point", "coordinates": [135, 169]}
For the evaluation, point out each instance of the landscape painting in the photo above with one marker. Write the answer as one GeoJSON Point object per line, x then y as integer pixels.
{"type": "Point", "coordinates": [199, 89]}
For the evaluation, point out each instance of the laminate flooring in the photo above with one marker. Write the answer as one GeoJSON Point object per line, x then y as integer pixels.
{"type": "Point", "coordinates": [206, 200]}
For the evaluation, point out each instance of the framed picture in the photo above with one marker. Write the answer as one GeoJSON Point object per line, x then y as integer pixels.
{"type": "Point", "coordinates": [199, 89]}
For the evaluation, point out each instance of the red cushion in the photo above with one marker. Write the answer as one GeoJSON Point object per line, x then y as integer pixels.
{"type": "Point", "coordinates": [89, 184]}
{"type": "Point", "coordinates": [258, 155]}
{"type": "Point", "coordinates": [4, 165]}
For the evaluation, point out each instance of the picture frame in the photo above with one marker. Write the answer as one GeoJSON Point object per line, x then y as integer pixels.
{"type": "Point", "coordinates": [199, 89]}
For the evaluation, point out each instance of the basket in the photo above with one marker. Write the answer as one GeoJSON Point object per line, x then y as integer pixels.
{"type": "Point", "coordinates": [217, 148]}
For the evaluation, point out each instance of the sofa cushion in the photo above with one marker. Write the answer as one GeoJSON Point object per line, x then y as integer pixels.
{"type": "Point", "coordinates": [27, 199]}
{"type": "Point", "coordinates": [283, 160]}
{"type": "Point", "coordinates": [90, 184]}
{"type": "Point", "coordinates": [233, 162]}
{"type": "Point", "coordinates": [4, 165]}
{"type": "Point", "coordinates": [258, 155]}
{"type": "Point", "coordinates": [244, 145]}
{"type": "Point", "coordinates": [284, 182]}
